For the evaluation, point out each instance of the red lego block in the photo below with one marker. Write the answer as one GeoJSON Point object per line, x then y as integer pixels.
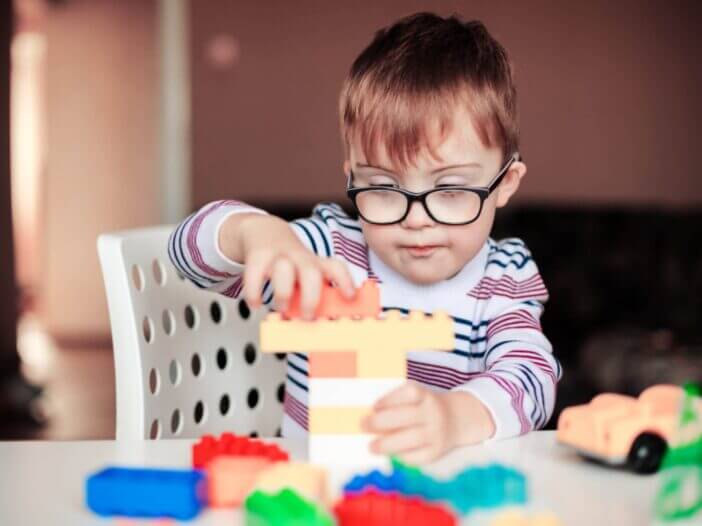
{"type": "Point", "coordinates": [372, 508]}
{"type": "Point", "coordinates": [228, 444]}
{"type": "Point", "coordinates": [332, 304]}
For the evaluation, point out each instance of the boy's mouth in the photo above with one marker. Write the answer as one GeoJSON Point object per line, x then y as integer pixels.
{"type": "Point", "coordinates": [421, 250]}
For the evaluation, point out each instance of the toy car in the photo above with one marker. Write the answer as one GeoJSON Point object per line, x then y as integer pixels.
{"type": "Point", "coordinates": [623, 430]}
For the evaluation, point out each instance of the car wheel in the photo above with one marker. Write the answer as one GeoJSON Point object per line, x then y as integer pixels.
{"type": "Point", "coordinates": [647, 453]}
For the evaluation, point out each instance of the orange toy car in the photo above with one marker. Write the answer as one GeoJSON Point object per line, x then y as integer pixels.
{"type": "Point", "coordinates": [623, 430]}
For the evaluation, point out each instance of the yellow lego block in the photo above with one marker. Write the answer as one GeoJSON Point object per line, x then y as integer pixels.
{"type": "Point", "coordinates": [308, 480]}
{"type": "Point", "coordinates": [518, 518]}
{"type": "Point", "coordinates": [336, 420]}
{"type": "Point", "coordinates": [380, 343]}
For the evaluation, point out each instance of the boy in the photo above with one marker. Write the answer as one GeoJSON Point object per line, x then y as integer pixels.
{"type": "Point", "coordinates": [429, 125]}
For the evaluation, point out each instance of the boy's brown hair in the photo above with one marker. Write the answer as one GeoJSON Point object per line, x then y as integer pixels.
{"type": "Point", "coordinates": [413, 77]}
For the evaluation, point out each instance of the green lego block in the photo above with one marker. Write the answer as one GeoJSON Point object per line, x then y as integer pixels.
{"type": "Point", "coordinates": [285, 508]}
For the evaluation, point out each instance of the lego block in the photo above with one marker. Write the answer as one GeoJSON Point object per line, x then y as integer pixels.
{"type": "Point", "coordinates": [349, 392]}
{"type": "Point", "coordinates": [377, 509]}
{"type": "Point", "coordinates": [231, 479]}
{"type": "Point", "coordinates": [209, 447]}
{"type": "Point", "coordinates": [332, 304]}
{"type": "Point", "coordinates": [336, 420]}
{"type": "Point", "coordinates": [340, 364]}
{"type": "Point", "coordinates": [344, 450]}
{"type": "Point", "coordinates": [285, 508]}
{"type": "Point", "coordinates": [307, 480]}
{"type": "Point", "coordinates": [518, 518]}
{"type": "Point", "coordinates": [146, 493]}
{"type": "Point", "coordinates": [381, 344]}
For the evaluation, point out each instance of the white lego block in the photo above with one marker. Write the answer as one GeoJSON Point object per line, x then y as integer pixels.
{"type": "Point", "coordinates": [345, 450]}
{"type": "Point", "coordinates": [328, 392]}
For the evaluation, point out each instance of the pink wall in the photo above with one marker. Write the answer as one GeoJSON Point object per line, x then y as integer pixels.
{"type": "Point", "coordinates": [609, 96]}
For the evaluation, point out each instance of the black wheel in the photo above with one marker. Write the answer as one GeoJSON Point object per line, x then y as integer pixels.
{"type": "Point", "coordinates": [646, 453]}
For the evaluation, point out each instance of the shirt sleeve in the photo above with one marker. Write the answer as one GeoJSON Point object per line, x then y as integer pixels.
{"type": "Point", "coordinates": [194, 250]}
{"type": "Point", "coordinates": [518, 385]}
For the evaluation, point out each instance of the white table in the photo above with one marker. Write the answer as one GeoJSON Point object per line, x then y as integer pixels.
{"type": "Point", "coordinates": [43, 482]}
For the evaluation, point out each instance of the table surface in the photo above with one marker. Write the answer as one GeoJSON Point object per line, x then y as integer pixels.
{"type": "Point", "coordinates": [43, 482]}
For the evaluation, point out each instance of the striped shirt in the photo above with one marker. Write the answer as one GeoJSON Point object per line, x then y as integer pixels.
{"type": "Point", "coordinates": [500, 355]}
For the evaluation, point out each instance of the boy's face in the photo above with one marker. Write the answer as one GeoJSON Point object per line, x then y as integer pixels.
{"type": "Point", "coordinates": [418, 248]}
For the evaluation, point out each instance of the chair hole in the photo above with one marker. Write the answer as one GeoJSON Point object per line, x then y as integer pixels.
{"type": "Point", "coordinates": [281, 393]}
{"type": "Point", "coordinates": [278, 433]}
{"type": "Point", "coordinates": [138, 277]}
{"type": "Point", "coordinates": [176, 422]}
{"type": "Point", "coordinates": [253, 434]}
{"type": "Point", "coordinates": [191, 317]}
{"type": "Point", "coordinates": [196, 365]}
{"type": "Point", "coordinates": [216, 312]}
{"type": "Point", "coordinates": [280, 355]}
{"type": "Point", "coordinates": [252, 398]}
{"type": "Point", "coordinates": [200, 413]}
{"type": "Point", "coordinates": [244, 310]}
{"type": "Point", "coordinates": [250, 353]}
{"type": "Point", "coordinates": [222, 358]}
{"type": "Point", "coordinates": [168, 322]}
{"type": "Point", "coordinates": [224, 405]}
{"type": "Point", "coordinates": [175, 372]}
{"type": "Point", "coordinates": [180, 275]}
{"type": "Point", "coordinates": [159, 272]}
{"type": "Point", "coordinates": [154, 382]}
{"type": "Point", "coordinates": [155, 431]}
{"type": "Point", "coordinates": [148, 329]}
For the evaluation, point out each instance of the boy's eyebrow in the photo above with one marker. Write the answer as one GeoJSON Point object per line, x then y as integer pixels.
{"type": "Point", "coordinates": [437, 170]}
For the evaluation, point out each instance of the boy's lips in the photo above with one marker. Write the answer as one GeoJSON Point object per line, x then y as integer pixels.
{"type": "Point", "coordinates": [421, 250]}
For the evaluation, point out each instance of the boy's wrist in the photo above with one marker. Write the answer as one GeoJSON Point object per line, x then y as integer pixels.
{"type": "Point", "coordinates": [472, 421]}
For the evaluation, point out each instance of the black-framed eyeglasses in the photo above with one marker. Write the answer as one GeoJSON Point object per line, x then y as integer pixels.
{"type": "Point", "coordinates": [445, 204]}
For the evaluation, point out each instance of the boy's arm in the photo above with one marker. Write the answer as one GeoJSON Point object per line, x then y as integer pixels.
{"type": "Point", "coordinates": [518, 386]}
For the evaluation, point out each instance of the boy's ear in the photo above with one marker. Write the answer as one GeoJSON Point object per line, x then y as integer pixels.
{"type": "Point", "coordinates": [510, 183]}
{"type": "Point", "coordinates": [347, 168]}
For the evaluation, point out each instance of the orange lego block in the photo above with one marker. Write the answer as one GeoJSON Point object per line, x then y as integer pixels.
{"type": "Point", "coordinates": [231, 479]}
{"type": "Point", "coordinates": [332, 303]}
{"type": "Point", "coordinates": [307, 480]}
{"type": "Point", "coordinates": [340, 364]}
{"type": "Point", "coordinates": [381, 344]}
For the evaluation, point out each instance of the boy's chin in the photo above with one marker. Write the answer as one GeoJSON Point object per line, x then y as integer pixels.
{"type": "Point", "coordinates": [425, 273]}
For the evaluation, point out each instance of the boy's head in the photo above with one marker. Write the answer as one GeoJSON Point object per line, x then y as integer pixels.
{"type": "Point", "coordinates": [429, 103]}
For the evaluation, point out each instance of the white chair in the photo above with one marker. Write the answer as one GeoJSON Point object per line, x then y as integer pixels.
{"type": "Point", "coordinates": [186, 360]}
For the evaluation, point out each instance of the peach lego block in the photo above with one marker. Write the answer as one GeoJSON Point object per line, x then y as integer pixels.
{"type": "Point", "coordinates": [308, 480]}
{"type": "Point", "coordinates": [332, 303]}
{"type": "Point", "coordinates": [381, 344]}
{"type": "Point", "coordinates": [231, 479]}
{"type": "Point", "coordinates": [337, 420]}
{"type": "Point", "coordinates": [340, 364]}
{"type": "Point", "coordinates": [518, 518]}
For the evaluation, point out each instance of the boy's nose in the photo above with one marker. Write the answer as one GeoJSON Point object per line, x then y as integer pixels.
{"type": "Point", "coordinates": [417, 217]}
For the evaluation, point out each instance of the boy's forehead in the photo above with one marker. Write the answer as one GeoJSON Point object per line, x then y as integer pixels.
{"type": "Point", "coordinates": [457, 143]}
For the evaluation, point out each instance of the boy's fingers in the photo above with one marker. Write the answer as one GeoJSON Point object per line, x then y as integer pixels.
{"type": "Point", "coordinates": [392, 419]}
{"type": "Point", "coordinates": [310, 290]}
{"type": "Point", "coordinates": [338, 272]}
{"type": "Point", "coordinates": [282, 282]}
{"type": "Point", "coordinates": [255, 274]}
{"type": "Point", "coordinates": [407, 394]}
{"type": "Point", "coordinates": [402, 441]}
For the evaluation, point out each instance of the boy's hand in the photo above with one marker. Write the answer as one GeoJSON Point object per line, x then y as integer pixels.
{"type": "Point", "coordinates": [420, 425]}
{"type": "Point", "coordinates": [272, 251]}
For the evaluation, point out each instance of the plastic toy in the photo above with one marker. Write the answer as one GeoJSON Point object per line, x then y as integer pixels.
{"type": "Point", "coordinates": [307, 480]}
{"type": "Point", "coordinates": [231, 479]}
{"type": "Point", "coordinates": [518, 518]}
{"type": "Point", "coordinates": [371, 508]}
{"type": "Point", "coordinates": [680, 496]}
{"type": "Point", "coordinates": [332, 304]}
{"type": "Point", "coordinates": [476, 487]}
{"type": "Point", "coordinates": [146, 493]}
{"type": "Point", "coordinates": [285, 508]}
{"type": "Point", "coordinates": [622, 430]}
{"type": "Point", "coordinates": [209, 447]}
{"type": "Point", "coordinates": [346, 370]}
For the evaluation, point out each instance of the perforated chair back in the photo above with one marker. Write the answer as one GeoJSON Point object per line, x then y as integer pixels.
{"type": "Point", "coordinates": [186, 360]}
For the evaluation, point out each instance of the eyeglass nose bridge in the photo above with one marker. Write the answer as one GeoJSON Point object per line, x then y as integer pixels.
{"type": "Point", "coordinates": [421, 198]}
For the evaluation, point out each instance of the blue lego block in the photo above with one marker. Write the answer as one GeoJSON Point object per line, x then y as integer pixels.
{"type": "Point", "coordinates": [476, 487]}
{"type": "Point", "coordinates": [147, 493]}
